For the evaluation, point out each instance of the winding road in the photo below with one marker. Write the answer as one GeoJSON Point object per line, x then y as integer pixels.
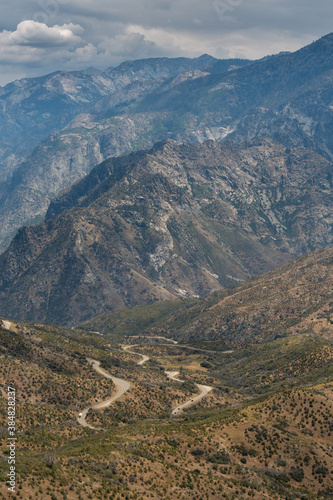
{"type": "Point", "coordinates": [154, 337]}
{"type": "Point", "coordinates": [204, 390]}
{"type": "Point", "coordinates": [143, 356]}
{"type": "Point", "coordinates": [122, 387]}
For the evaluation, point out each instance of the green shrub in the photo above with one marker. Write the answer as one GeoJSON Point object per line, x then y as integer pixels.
{"type": "Point", "coordinates": [219, 458]}
{"type": "Point", "coordinates": [297, 474]}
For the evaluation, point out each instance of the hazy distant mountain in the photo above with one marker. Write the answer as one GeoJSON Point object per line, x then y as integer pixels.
{"type": "Point", "coordinates": [175, 221]}
{"type": "Point", "coordinates": [287, 97]}
{"type": "Point", "coordinates": [31, 109]}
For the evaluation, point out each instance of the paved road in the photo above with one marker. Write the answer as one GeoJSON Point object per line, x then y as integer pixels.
{"type": "Point", "coordinates": [197, 349]}
{"type": "Point", "coordinates": [143, 356]}
{"type": "Point", "coordinates": [122, 387]}
{"type": "Point", "coordinates": [176, 344]}
{"type": "Point", "coordinates": [204, 390]}
{"type": "Point", "coordinates": [154, 337]}
{"type": "Point", "coordinates": [172, 375]}
{"type": "Point", "coordinates": [98, 333]}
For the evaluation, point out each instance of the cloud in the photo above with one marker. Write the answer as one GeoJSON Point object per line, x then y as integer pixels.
{"type": "Point", "coordinates": [36, 48]}
{"type": "Point", "coordinates": [250, 44]}
{"type": "Point", "coordinates": [32, 41]}
{"type": "Point", "coordinates": [83, 54]}
{"type": "Point", "coordinates": [35, 34]}
{"type": "Point", "coordinates": [74, 34]}
{"type": "Point", "coordinates": [129, 45]}
{"type": "Point", "coordinates": [24, 50]}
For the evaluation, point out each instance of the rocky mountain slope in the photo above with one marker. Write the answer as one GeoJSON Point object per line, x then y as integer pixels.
{"type": "Point", "coordinates": [295, 299]}
{"type": "Point", "coordinates": [32, 108]}
{"type": "Point", "coordinates": [175, 221]}
{"type": "Point", "coordinates": [287, 97]}
{"type": "Point", "coordinates": [33, 168]}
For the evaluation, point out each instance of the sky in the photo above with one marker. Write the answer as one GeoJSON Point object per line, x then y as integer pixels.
{"type": "Point", "coordinates": [41, 36]}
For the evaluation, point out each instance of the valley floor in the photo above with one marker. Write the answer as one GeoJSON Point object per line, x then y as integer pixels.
{"type": "Point", "coordinates": [269, 439]}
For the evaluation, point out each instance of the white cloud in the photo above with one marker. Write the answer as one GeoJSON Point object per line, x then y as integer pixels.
{"type": "Point", "coordinates": [41, 49]}
{"type": "Point", "coordinates": [32, 43]}
{"type": "Point", "coordinates": [34, 34]}
{"type": "Point", "coordinates": [29, 55]}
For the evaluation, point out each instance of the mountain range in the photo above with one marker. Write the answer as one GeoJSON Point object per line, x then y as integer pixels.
{"type": "Point", "coordinates": [177, 220]}
{"type": "Point", "coordinates": [41, 147]}
{"type": "Point", "coordinates": [184, 206]}
{"type": "Point", "coordinates": [173, 221]}
{"type": "Point", "coordinates": [63, 125]}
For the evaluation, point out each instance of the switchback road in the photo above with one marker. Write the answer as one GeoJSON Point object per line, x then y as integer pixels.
{"type": "Point", "coordinates": [204, 390]}
{"type": "Point", "coordinates": [143, 356]}
{"type": "Point", "coordinates": [122, 387]}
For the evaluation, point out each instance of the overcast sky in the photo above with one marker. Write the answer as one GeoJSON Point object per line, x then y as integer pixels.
{"type": "Point", "coordinates": [42, 36]}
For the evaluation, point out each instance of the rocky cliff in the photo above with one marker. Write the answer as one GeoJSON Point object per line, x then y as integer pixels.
{"type": "Point", "coordinates": [287, 97]}
{"type": "Point", "coordinates": [175, 221]}
{"type": "Point", "coordinates": [35, 166]}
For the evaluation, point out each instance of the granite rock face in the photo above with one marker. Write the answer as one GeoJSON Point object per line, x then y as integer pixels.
{"type": "Point", "coordinates": [55, 129]}
{"type": "Point", "coordinates": [94, 116]}
{"type": "Point", "coordinates": [174, 221]}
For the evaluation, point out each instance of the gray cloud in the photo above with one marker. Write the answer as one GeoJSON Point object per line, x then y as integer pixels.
{"type": "Point", "coordinates": [46, 35]}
